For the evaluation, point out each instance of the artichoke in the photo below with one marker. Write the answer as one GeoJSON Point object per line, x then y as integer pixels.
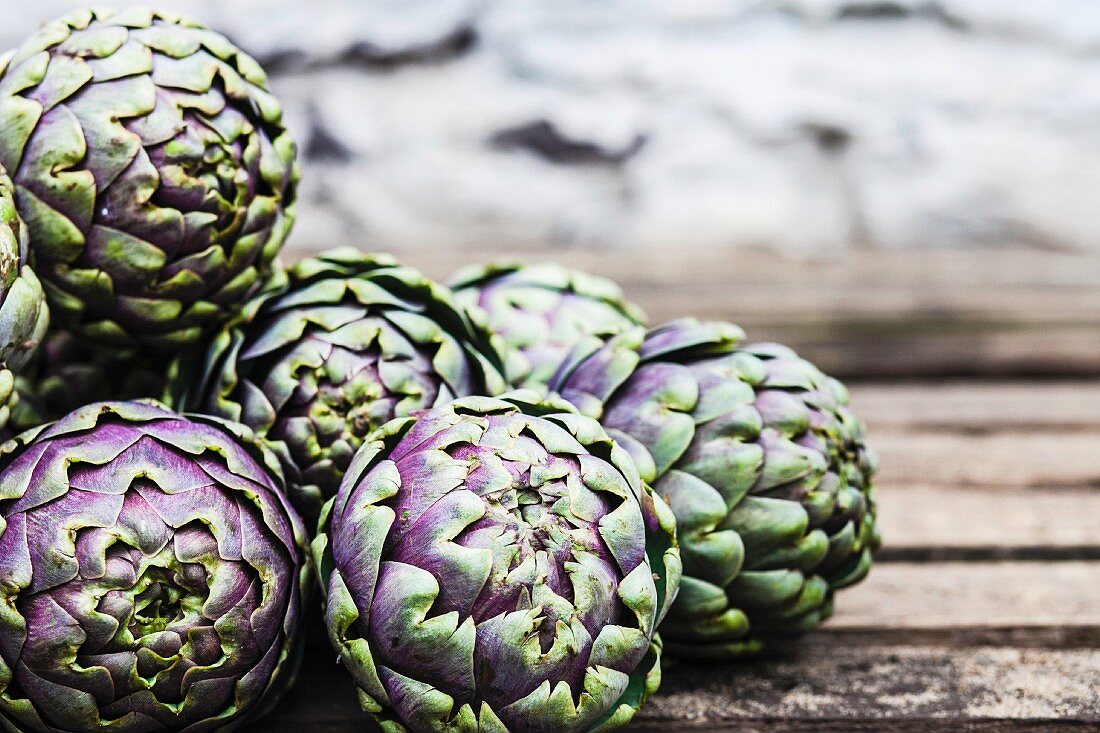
{"type": "Point", "coordinates": [151, 574]}
{"type": "Point", "coordinates": [763, 465]}
{"type": "Point", "coordinates": [24, 316]}
{"type": "Point", "coordinates": [334, 349]}
{"type": "Point", "coordinates": [153, 170]}
{"type": "Point", "coordinates": [543, 311]}
{"type": "Point", "coordinates": [497, 565]}
{"type": "Point", "coordinates": [67, 374]}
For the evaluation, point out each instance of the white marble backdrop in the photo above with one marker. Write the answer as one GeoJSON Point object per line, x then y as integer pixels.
{"type": "Point", "coordinates": [808, 126]}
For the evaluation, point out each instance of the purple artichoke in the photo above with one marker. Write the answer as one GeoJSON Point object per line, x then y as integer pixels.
{"type": "Point", "coordinates": [151, 575]}
{"type": "Point", "coordinates": [762, 463]}
{"type": "Point", "coordinates": [543, 311]}
{"type": "Point", "coordinates": [497, 565]}
{"type": "Point", "coordinates": [336, 348]}
{"type": "Point", "coordinates": [152, 168]}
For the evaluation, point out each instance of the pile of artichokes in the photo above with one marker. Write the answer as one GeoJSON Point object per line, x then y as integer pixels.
{"type": "Point", "coordinates": [509, 495]}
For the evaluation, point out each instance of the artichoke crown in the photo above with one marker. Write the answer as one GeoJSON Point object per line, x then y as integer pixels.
{"type": "Point", "coordinates": [497, 564]}
{"type": "Point", "coordinates": [153, 171]}
{"type": "Point", "coordinates": [151, 574]}
{"type": "Point", "coordinates": [543, 310]}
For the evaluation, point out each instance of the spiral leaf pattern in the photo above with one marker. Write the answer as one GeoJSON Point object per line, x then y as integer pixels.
{"type": "Point", "coordinates": [151, 574]}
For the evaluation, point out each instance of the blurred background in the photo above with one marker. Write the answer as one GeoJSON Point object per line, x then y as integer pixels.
{"type": "Point", "coordinates": [898, 188]}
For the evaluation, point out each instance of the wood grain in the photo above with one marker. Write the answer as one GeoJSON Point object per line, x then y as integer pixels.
{"type": "Point", "coordinates": [1003, 521]}
{"type": "Point", "coordinates": [986, 471]}
{"type": "Point", "coordinates": [980, 408]}
{"type": "Point", "coordinates": [1002, 460]}
{"type": "Point", "coordinates": [819, 680]}
{"type": "Point", "coordinates": [912, 595]}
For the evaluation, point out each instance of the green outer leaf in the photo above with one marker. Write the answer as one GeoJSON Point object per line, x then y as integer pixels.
{"type": "Point", "coordinates": [24, 316]}
{"type": "Point", "coordinates": [762, 464]}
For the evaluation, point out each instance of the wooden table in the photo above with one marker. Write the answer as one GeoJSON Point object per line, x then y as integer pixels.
{"type": "Point", "coordinates": [979, 376]}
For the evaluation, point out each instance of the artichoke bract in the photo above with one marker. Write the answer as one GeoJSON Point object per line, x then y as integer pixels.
{"type": "Point", "coordinates": [763, 464]}
{"type": "Point", "coordinates": [543, 311]}
{"type": "Point", "coordinates": [24, 316]}
{"type": "Point", "coordinates": [151, 574]}
{"type": "Point", "coordinates": [497, 565]}
{"type": "Point", "coordinates": [67, 374]}
{"type": "Point", "coordinates": [337, 347]}
{"type": "Point", "coordinates": [153, 170]}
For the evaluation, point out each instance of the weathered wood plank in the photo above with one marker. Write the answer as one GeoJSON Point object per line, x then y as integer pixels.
{"type": "Point", "coordinates": [912, 595]}
{"type": "Point", "coordinates": [986, 471]}
{"type": "Point", "coordinates": [1003, 523]}
{"type": "Point", "coordinates": [1081, 636]}
{"type": "Point", "coordinates": [1003, 460]}
{"type": "Point", "coordinates": [819, 680]}
{"type": "Point", "coordinates": [864, 314]}
{"type": "Point", "coordinates": [970, 407]}
{"type": "Point", "coordinates": [879, 725]}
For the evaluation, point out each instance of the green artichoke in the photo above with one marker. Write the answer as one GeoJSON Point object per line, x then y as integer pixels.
{"type": "Point", "coordinates": [543, 311]}
{"type": "Point", "coordinates": [67, 374]}
{"type": "Point", "coordinates": [151, 575]}
{"type": "Point", "coordinates": [24, 316]}
{"type": "Point", "coordinates": [762, 463]}
{"type": "Point", "coordinates": [497, 565]}
{"type": "Point", "coordinates": [152, 168]}
{"type": "Point", "coordinates": [334, 349]}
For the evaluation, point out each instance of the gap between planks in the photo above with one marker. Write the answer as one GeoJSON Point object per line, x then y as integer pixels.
{"type": "Point", "coordinates": [960, 425]}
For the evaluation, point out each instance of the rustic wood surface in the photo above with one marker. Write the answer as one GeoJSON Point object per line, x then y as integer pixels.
{"type": "Point", "coordinates": [979, 377]}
